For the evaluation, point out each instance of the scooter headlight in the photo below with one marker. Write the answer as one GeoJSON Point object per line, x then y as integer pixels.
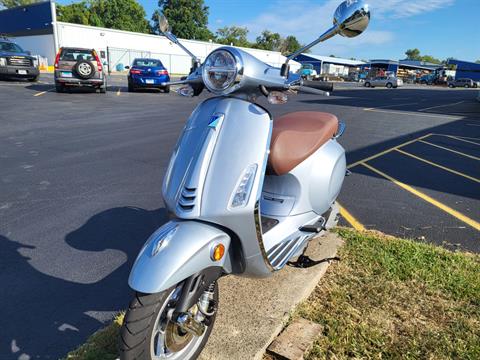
{"type": "Point", "coordinates": [221, 71]}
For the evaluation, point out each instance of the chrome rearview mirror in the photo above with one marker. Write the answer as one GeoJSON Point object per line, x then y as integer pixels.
{"type": "Point", "coordinates": [351, 18]}
{"type": "Point", "coordinates": [163, 23]}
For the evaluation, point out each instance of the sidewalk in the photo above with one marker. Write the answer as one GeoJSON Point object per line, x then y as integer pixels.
{"type": "Point", "coordinates": [253, 312]}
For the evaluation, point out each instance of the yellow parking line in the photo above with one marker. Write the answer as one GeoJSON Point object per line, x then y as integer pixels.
{"type": "Point", "coordinates": [458, 136]}
{"type": "Point", "coordinates": [439, 166]}
{"type": "Point", "coordinates": [448, 149]}
{"type": "Point", "coordinates": [447, 209]}
{"type": "Point", "coordinates": [460, 139]}
{"type": "Point", "coordinates": [40, 93]}
{"type": "Point", "coordinates": [351, 219]}
{"type": "Point", "coordinates": [387, 151]}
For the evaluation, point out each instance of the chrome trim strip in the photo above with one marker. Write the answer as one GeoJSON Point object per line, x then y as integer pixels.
{"type": "Point", "coordinates": [341, 130]}
{"type": "Point", "coordinates": [258, 227]}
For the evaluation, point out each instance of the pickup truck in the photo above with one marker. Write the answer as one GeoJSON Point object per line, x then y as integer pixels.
{"type": "Point", "coordinates": [17, 63]}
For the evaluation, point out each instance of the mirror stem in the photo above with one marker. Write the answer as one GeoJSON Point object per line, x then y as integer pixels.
{"type": "Point", "coordinates": [173, 39]}
{"type": "Point", "coordinates": [325, 36]}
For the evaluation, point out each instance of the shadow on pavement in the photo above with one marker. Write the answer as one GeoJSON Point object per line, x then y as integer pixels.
{"type": "Point", "coordinates": [44, 317]}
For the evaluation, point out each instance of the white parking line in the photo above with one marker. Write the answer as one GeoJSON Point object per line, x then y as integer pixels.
{"type": "Point", "coordinates": [413, 114]}
{"type": "Point", "coordinates": [119, 91]}
{"type": "Point", "coordinates": [389, 106]}
{"type": "Point", "coordinates": [445, 105]}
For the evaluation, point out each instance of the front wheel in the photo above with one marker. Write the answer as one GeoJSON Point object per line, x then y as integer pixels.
{"type": "Point", "coordinates": [367, 84]}
{"type": "Point", "coordinates": [389, 85]}
{"type": "Point", "coordinates": [148, 331]}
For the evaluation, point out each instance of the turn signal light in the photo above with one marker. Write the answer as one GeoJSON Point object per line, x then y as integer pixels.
{"type": "Point", "coordinates": [218, 252]}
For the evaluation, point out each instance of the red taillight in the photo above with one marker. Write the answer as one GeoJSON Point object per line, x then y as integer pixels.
{"type": "Point", "coordinates": [57, 58]}
{"type": "Point", "coordinates": [99, 63]}
{"type": "Point", "coordinates": [135, 71]}
{"type": "Point", "coordinates": [162, 72]}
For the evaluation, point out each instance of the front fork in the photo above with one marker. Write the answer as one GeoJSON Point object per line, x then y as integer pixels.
{"type": "Point", "coordinates": [197, 290]}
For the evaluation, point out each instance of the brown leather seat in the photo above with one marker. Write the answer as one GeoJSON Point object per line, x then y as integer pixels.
{"type": "Point", "coordinates": [296, 136]}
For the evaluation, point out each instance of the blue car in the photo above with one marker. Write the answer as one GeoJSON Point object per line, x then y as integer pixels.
{"type": "Point", "coordinates": [147, 73]}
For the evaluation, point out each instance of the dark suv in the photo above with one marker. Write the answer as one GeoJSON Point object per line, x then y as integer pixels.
{"type": "Point", "coordinates": [16, 63]}
{"type": "Point", "coordinates": [79, 67]}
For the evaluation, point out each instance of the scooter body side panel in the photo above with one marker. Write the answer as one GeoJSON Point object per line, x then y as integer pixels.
{"type": "Point", "coordinates": [176, 251]}
{"type": "Point", "coordinates": [314, 184]}
{"type": "Point", "coordinates": [223, 137]}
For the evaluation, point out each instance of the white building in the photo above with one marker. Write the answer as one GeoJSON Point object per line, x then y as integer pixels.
{"type": "Point", "coordinates": [34, 31]}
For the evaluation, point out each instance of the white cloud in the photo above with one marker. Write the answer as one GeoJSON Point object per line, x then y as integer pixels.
{"type": "Point", "coordinates": [406, 8]}
{"type": "Point", "coordinates": [287, 19]}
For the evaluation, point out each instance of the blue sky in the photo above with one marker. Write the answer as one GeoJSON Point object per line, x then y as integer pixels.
{"type": "Point", "coordinates": [441, 28]}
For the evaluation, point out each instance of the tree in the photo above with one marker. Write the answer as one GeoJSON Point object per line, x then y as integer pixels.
{"type": "Point", "coordinates": [77, 13]}
{"type": "Point", "coordinates": [126, 15]}
{"type": "Point", "coordinates": [289, 45]}
{"type": "Point", "coordinates": [235, 35]}
{"type": "Point", "coordinates": [12, 3]}
{"type": "Point", "coordinates": [188, 18]}
{"type": "Point", "coordinates": [430, 59]}
{"type": "Point", "coordinates": [478, 61]}
{"type": "Point", "coordinates": [413, 54]}
{"type": "Point", "coordinates": [268, 41]}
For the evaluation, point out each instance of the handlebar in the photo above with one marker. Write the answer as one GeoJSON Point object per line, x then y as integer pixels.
{"type": "Point", "coordinates": [319, 85]}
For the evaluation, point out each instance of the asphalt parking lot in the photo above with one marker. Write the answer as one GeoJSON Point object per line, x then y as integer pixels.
{"type": "Point", "coordinates": [81, 175]}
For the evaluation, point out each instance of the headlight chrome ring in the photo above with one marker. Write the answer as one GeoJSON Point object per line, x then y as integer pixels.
{"type": "Point", "coordinates": [222, 70]}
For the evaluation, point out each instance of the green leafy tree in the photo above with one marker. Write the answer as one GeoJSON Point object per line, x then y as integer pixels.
{"type": "Point", "coordinates": [430, 59]}
{"type": "Point", "coordinates": [235, 35]}
{"type": "Point", "coordinates": [126, 15]}
{"type": "Point", "coordinates": [12, 3]}
{"type": "Point", "coordinates": [77, 13]}
{"type": "Point", "coordinates": [289, 45]}
{"type": "Point", "coordinates": [188, 18]}
{"type": "Point", "coordinates": [478, 61]}
{"type": "Point", "coordinates": [268, 41]}
{"type": "Point", "coordinates": [413, 54]}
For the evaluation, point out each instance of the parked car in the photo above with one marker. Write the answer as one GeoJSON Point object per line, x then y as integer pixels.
{"type": "Point", "coordinates": [308, 72]}
{"type": "Point", "coordinates": [79, 67]}
{"type": "Point", "coordinates": [387, 81]}
{"type": "Point", "coordinates": [147, 73]}
{"type": "Point", "coordinates": [16, 63]}
{"type": "Point", "coordinates": [464, 82]}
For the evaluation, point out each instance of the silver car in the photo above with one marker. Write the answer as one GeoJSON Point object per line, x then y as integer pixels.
{"type": "Point", "coordinates": [386, 81]}
{"type": "Point", "coordinates": [467, 83]}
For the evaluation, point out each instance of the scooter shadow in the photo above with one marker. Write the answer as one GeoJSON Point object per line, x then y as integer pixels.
{"type": "Point", "coordinates": [44, 317]}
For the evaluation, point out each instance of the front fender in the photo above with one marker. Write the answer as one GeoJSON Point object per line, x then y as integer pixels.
{"type": "Point", "coordinates": [176, 251]}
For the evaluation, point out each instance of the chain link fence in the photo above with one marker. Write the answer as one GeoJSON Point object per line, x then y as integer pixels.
{"type": "Point", "coordinates": [118, 58]}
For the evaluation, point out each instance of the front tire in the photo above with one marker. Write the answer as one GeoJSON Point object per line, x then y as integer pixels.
{"type": "Point", "coordinates": [367, 84]}
{"type": "Point", "coordinates": [147, 333]}
{"type": "Point", "coordinates": [389, 85]}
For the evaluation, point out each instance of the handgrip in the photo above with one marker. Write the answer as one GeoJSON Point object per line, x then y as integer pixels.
{"type": "Point", "coordinates": [319, 85]}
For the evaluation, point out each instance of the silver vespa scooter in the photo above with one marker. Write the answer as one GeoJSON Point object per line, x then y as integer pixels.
{"type": "Point", "coordinates": [246, 193]}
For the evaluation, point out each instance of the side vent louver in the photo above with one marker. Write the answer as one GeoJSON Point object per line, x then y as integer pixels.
{"type": "Point", "coordinates": [187, 199]}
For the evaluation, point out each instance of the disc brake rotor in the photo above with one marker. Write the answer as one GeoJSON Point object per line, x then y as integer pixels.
{"type": "Point", "coordinates": [175, 338]}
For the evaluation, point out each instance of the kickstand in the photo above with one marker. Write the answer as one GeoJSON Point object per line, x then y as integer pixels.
{"type": "Point", "coordinates": [304, 261]}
